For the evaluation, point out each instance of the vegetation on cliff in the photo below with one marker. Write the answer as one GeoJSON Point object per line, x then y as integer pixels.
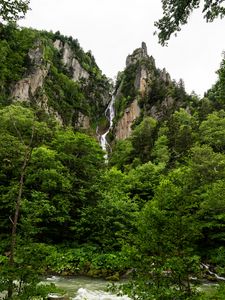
{"type": "Point", "coordinates": [60, 94]}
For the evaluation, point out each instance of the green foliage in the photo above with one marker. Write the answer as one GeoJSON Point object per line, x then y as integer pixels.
{"type": "Point", "coordinates": [142, 139]}
{"type": "Point", "coordinates": [168, 229]}
{"type": "Point", "coordinates": [12, 10]}
{"type": "Point", "coordinates": [212, 131]}
{"type": "Point", "coordinates": [60, 178]}
{"type": "Point", "coordinates": [127, 92]}
{"type": "Point", "coordinates": [14, 46]}
{"type": "Point", "coordinates": [182, 131]}
{"type": "Point", "coordinates": [128, 87]}
{"type": "Point", "coordinates": [213, 293]}
{"type": "Point", "coordinates": [157, 207]}
{"type": "Point", "coordinates": [161, 150]}
{"type": "Point", "coordinates": [216, 95]}
{"type": "Point", "coordinates": [143, 181]}
{"type": "Point", "coordinates": [121, 155]}
{"type": "Point", "coordinates": [115, 213]}
{"type": "Point", "coordinates": [64, 95]}
{"type": "Point", "coordinates": [176, 13]}
{"type": "Point", "coordinates": [30, 264]}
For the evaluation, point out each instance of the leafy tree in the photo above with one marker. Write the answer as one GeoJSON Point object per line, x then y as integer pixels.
{"type": "Point", "coordinates": [21, 123]}
{"type": "Point", "coordinates": [142, 139]}
{"type": "Point", "coordinates": [206, 165]}
{"type": "Point", "coordinates": [84, 160]}
{"type": "Point", "coordinates": [168, 230]}
{"type": "Point", "coordinates": [142, 182]}
{"type": "Point", "coordinates": [217, 93]}
{"type": "Point", "coordinates": [176, 13]}
{"type": "Point", "coordinates": [205, 107]}
{"type": "Point", "coordinates": [182, 132]}
{"type": "Point", "coordinates": [12, 10]}
{"type": "Point", "coordinates": [212, 217]}
{"type": "Point", "coordinates": [212, 131]}
{"type": "Point", "coordinates": [14, 46]}
{"type": "Point", "coordinates": [114, 212]}
{"type": "Point", "coordinates": [121, 155]}
{"type": "Point", "coordinates": [47, 204]}
{"type": "Point", "coordinates": [160, 151]}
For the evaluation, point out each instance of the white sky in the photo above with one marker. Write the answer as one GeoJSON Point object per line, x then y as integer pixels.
{"type": "Point", "coordinates": [112, 29]}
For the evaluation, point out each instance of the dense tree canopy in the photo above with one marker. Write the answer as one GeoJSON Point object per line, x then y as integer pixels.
{"type": "Point", "coordinates": [177, 12]}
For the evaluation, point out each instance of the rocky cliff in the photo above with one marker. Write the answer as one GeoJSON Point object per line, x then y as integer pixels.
{"type": "Point", "coordinates": [70, 62]}
{"type": "Point", "coordinates": [123, 128]}
{"type": "Point", "coordinates": [53, 72]}
{"type": "Point", "coordinates": [60, 78]}
{"type": "Point", "coordinates": [134, 63]}
{"type": "Point", "coordinates": [143, 90]}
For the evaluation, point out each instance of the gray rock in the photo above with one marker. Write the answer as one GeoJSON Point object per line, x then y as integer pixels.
{"type": "Point", "coordinates": [144, 47]}
{"type": "Point", "coordinates": [27, 87]}
{"type": "Point", "coordinates": [137, 55]}
{"type": "Point", "coordinates": [70, 62]}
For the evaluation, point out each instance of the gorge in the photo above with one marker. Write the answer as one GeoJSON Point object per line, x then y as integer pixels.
{"type": "Point", "coordinates": [153, 214]}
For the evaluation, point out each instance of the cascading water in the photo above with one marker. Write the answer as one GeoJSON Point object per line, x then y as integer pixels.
{"type": "Point", "coordinates": [212, 273]}
{"type": "Point", "coordinates": [83, 288]}
{"type": "Point", "coordinates": [110, 114]}
{"type": "Point", "coordinates": [84, 294]}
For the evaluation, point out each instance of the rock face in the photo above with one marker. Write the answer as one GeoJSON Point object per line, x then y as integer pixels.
{"type": "Point", "coordinates": [83, 121]}
{"type": "Point", "coordinates": [137, 55]}
{"type": "Point", "coordinates": [165, 76]}
{"type": "Point", "coordinates": [43, 103]}
{"type": "Point", "coordinates": [78, 71]}
{"type": "Point", "coordinates": [56, 76]}
{"type": "Point", "coordinates": [123, 128]}
{"type": "Point", "coordinates": [157, 94]}
{"type": "Point", "coordinates": [26, 88]}
{"type": "Point", "coordinates": [132, 112]}
{"type": "Point", "coordinates": [159, 112]}
{"type": "Point", "coordinates": [70, 62]}
{"type": "Point", "coordinates": [141, 80]}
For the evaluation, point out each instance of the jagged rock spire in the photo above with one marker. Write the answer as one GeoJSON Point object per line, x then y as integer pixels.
{"type": "Point", "coordinates": [144, 47]}
{"type": "Point", "coordinates": [137, 55]}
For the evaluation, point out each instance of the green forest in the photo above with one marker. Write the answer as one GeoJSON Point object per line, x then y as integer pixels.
{"type": "Point", "coordinates": [153, 212]}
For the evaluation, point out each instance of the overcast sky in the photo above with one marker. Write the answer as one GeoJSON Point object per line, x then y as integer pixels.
{"type": "Point", "coordinates": [112, 29]}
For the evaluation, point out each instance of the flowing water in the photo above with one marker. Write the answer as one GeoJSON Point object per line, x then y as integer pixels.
{"type": "Point", "coordinates": [83, 288]}
{"type": "Point", "coordinates": [217, 277]}
{"type": "Point", "coordinates": [110, 114]}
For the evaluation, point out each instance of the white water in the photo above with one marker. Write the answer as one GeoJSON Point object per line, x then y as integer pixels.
{"type": "Point", "coordinates": [110, 114]}
{"type": "Point", "coordinates": [83, 288]}
{"type": "Point", "coordinates": [84, 294]}
{"type": "Point", "coordinates": [212, 273]}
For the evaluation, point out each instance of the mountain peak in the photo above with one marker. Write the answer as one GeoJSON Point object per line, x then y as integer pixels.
{"type": "Point", "coordinates": [137, 55]}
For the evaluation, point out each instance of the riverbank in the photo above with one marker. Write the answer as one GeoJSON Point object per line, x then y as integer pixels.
{"type": "Point", "coordinates": [85, 288]}
{"type": "Point", "coordinates": [81, 287]}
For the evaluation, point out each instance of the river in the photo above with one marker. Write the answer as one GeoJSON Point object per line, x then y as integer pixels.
{"type": "Point", "coordinates": [84, 288]}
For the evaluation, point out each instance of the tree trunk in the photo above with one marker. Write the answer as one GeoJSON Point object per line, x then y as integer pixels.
{"type": "Point", "coordinates": [27, 156]}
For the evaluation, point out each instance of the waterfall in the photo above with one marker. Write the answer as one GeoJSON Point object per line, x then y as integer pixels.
{"type": "Point", "coordinates": [110, 114]}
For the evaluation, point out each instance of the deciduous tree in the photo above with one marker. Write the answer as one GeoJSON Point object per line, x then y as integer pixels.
{"type": "Point", "coordinates": [177, 12]}
{"type": "Point", "coordinates": [13, 10]}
